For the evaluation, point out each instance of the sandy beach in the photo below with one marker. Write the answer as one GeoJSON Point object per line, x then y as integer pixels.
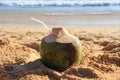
{"type": "Point", "coordinates": [24, 55]}
{"type": "Point", "coordinates": [20, 57]}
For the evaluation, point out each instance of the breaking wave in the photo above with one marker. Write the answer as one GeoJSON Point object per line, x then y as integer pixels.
{"type": "Point", "coordinates": [59, 2]}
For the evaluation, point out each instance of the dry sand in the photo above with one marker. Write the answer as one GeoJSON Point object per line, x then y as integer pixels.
{"type": "Point", "coordinates": [20, 57]}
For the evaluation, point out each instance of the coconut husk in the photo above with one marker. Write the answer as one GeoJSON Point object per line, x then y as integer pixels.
{"type": "Point", "coordinates": [60, 35]}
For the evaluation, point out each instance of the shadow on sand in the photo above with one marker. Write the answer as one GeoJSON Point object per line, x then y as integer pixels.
{"type": "Point", "coordinates": [16, 72]}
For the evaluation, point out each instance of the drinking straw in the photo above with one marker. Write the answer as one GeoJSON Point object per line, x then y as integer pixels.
{"type": "Point", "coordinates": [39, 21]}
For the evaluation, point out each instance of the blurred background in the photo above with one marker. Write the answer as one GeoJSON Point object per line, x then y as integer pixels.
{"type": "Point", "coordinates": [61, 12]}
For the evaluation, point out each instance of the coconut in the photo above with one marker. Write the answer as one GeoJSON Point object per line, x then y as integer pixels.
{"type": "Point", "coordinates": [60, 50]}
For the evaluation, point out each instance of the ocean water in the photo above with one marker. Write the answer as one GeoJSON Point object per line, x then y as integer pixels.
{"type": "Point", "coordinates": [61, 7]}
{"type": "Point", "coordinates": [59, 2]}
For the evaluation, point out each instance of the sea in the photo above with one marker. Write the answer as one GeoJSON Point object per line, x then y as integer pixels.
{"type": "Point", "coordinates": [62, 7]}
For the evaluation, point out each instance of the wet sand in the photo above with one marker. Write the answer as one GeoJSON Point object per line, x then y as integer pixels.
{"type": "Point", "coordinates": [20, 58]}
{"type": "Point", "coordinates": [64, 20]}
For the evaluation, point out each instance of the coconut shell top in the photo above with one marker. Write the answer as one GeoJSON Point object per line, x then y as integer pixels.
{"type": "Point", "coordinates": [60, 35]}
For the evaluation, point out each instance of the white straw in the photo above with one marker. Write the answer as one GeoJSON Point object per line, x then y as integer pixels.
{"type": "Point", "coordinates": [39, 21]}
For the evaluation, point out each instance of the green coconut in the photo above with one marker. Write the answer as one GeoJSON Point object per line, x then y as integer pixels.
{"type": "Point", "coordinates": [60, 50]}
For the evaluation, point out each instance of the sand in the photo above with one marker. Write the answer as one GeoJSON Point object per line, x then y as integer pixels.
{"type": "Point", "coordinates": [66, 19]}
{"type": "Point", "coordinates": [61, 17]}
{"type": "Point", "coordinates": [20, 58]}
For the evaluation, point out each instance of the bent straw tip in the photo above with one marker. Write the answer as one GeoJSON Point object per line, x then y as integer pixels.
{"type": "Point", "coordinates": [39, 21]}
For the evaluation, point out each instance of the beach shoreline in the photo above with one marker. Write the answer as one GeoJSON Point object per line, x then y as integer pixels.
{"type": "Point", "coordinates": [82, 16]}
{"type": "Point", "coordinates": [64, 20]}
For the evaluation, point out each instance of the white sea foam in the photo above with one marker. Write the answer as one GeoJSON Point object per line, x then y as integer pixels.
{"type": "Point", "coordinates": [59, 2]}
